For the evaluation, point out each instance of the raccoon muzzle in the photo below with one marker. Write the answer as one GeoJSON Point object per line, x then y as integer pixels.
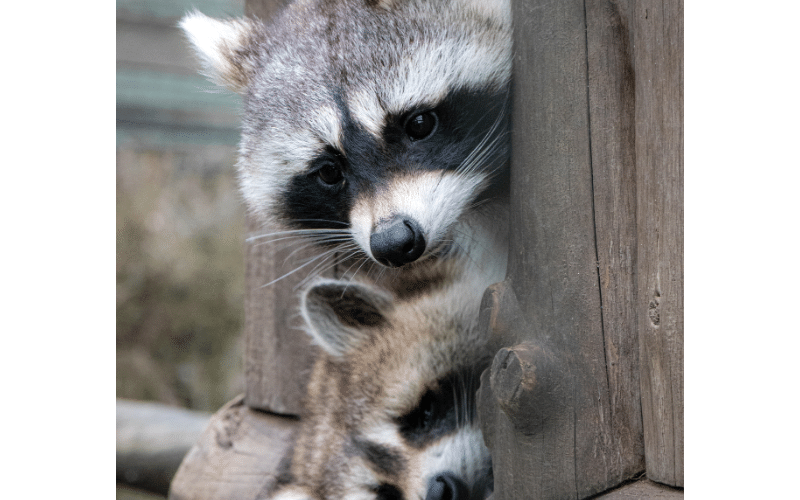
{"type": "Point", "coordinates": [398, 242]}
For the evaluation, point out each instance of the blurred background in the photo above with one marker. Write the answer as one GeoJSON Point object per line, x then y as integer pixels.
{"type": "Point", "coordinates": [180, 221]}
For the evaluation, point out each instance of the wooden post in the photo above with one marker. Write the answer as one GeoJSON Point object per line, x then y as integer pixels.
{"type": "Point", "coordinates": [561, 407]}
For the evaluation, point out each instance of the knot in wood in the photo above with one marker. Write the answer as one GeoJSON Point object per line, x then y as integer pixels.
{"type": "Point", "coordinates": [226, 426]}
{"type": "Point", "coordinates": [517, 383]}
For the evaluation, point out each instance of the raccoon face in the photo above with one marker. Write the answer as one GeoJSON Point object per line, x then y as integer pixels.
{"type": "Point", "coordinates": [373, 127]}
{"type": "Point", "coordinates": [401, 191]}
{"type": "Point", "coordinates": [390, 410]}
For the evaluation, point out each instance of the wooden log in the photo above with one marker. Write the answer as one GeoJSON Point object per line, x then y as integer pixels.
{"type": "Point", "coordinates": [236, 457]}
{"type": "Point", "coordinates": [659, 166]}
{"type": "Point", "coordinates": [152, 439]}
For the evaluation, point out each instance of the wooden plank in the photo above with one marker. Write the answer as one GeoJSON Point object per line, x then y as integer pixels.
{"type": "Point", "coordinates": [612, 126]}
{"type": "Point", "coordinates": [658, 34]}
{"type": "Point", "coordinates": [556, 283]}
{"type": "Point", "coordinates": [560, 405]}
{"type": "Point", "coordinates": [553, 261]}
{"type": "Point", "coordinates": [236, 456]}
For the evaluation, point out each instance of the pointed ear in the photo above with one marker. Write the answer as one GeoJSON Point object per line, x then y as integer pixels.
{"type": "Point", "coordinates": [226, 49]}
{"type": "Point", "coordinates": [340, 314]}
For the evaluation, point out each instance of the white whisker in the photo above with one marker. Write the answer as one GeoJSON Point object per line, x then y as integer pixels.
{"type": "Point", "coordinates": [311, 260]}
{"type": "Point", "coordinates": [296, 232]}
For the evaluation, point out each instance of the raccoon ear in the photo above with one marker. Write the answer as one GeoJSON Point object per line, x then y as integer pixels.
{"type": "Point", "coordinates": [224, 48]}
{"type": "Point", "coordinates": [340, 314]}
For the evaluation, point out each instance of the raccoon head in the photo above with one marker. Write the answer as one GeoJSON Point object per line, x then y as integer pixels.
{"type": "Point", "coordinates": [372, 126]}
{"type": "Point", "coordinates": [390, 409]}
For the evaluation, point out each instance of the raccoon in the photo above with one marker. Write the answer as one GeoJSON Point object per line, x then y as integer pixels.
{"type": "Point", "coordinates": [377, 128]}
{"type": "Point", "coordinates": [390, 410]}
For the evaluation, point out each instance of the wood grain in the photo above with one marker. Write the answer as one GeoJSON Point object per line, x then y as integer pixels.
{"type": "Point", "coordinates": [659, 165]}
{"type": "Point", "coordinates": [566, 317]}
{"type": "Point", "coordinates": [612, 134]}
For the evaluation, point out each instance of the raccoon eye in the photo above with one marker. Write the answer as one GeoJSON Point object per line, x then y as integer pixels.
{"type": "Point", "coordinates": [427, 418]}
{"type": "Point", "coordinates": [330, 173]}
{"type": "Point", "coordinates": [387, 492]}
{"type": "Point", "coordinates": [423, 417]}
{"type": "Point", "coordinates": [421, 125]}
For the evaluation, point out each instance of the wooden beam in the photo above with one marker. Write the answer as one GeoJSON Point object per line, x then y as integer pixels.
{"type": "Point", "coordinates": [560, 405]}
{"type": "Point", "coordinates": [658, 35]}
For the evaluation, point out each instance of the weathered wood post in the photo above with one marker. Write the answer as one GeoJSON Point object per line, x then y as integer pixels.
{"type": "Point", "coordinates": [596, 230]}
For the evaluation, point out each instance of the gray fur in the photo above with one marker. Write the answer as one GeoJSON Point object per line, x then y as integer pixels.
{"type": "Point", "coordinates": [320, 58]}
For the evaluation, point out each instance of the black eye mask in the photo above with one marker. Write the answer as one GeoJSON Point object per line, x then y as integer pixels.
{"type": "Point", "coordinates": [441, 410]}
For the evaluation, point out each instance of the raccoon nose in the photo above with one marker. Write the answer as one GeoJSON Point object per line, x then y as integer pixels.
{"type": "Point", "coordinates": [447, 486]}
{"type": "Point", "coordinates": [398, 242]}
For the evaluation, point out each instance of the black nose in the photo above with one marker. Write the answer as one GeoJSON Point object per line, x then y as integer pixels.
{"type": "Point", "coordinates": [447, 486]}
{"type": "Point", "coordinates": [398, 242]}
